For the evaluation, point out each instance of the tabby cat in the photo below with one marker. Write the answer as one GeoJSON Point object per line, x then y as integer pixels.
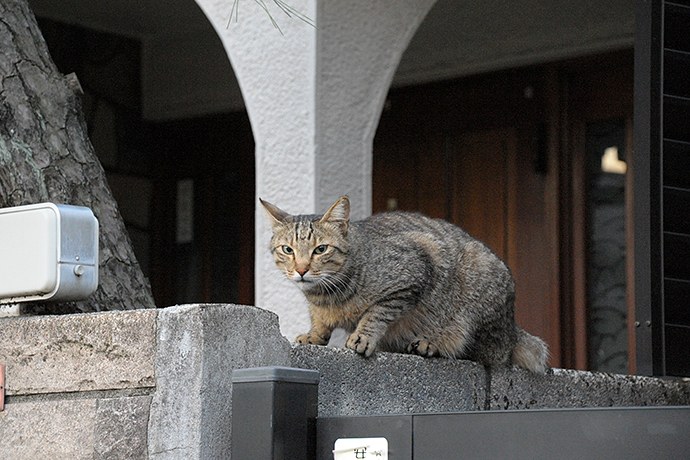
{"type": "Point", "coordinates": [402, 282]}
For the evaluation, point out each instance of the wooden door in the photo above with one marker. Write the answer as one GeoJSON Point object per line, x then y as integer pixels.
{"type": "Point", "coordinates": [500, 197]}
{"type": "Point", "coordinates": [479, 189]}
{"type": "Point", "coordinates": [485, 181]}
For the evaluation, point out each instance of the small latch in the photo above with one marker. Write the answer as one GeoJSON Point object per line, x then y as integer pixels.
{"type": "Point", "coordinates": [2, 387]}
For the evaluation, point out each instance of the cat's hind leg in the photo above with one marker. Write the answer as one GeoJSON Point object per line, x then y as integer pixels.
{"type": "Point", "coordinates": [414, 333]}
{"type": "Point", "coordinates": [423, 347]}
{"type": "Point", "coordinates": [373, 326]}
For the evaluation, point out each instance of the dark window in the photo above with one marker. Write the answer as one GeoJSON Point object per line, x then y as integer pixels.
{"type": "Point", "coordinates": [662, 187]}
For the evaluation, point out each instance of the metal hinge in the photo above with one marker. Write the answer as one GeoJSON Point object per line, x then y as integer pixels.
{"type": "Point", "coordinates": [2, 387]}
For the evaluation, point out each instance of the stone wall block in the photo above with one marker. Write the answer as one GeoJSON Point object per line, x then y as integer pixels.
{"type": "Point", "coordinates": [83, 352]}
{"type": "Point", "coordinates": [236, 337]}
{"type": "Point", "coordinates": [121, 430]}
{"type": "Point", "coordinates": [198, 347]}
{"type": "Point", "coordinates": [48, 430]}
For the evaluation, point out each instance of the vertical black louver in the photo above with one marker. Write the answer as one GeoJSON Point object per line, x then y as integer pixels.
{"type": "Point", "coordinates": [662, 187]}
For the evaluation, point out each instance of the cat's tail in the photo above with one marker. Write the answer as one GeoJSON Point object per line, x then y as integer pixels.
{"type": "Point", "coordinates": [530, 352]}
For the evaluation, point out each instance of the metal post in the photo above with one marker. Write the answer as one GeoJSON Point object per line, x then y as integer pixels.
{"type": "Point", "coordinates": [274, 413]}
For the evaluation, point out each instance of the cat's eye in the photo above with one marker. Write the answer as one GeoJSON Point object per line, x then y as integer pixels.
{"type": "Point", "coordinates": [320, 249]}
{"type": "Point", "coordinates": [287, 249]}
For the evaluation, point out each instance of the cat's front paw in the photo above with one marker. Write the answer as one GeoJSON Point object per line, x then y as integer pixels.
{"type": "Point", "coordinates": [311, 338]}
{"type": "Point", "coordinates": [361, 343]}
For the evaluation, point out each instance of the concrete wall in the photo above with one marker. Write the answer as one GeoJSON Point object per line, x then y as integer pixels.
{"type": "Point", "coordinates": [157, 383]}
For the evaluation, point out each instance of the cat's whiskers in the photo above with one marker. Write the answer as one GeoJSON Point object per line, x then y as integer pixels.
{"type": "Point", "coordinates": [336, 283]}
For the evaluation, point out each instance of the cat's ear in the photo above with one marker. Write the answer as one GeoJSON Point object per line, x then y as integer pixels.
{"type": "Point", "coordinates": [277, 215]}
{"type": "Point", "coordinates": [338, 213]}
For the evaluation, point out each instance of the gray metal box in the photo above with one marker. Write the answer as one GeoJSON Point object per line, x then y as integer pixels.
{"type": "Point", "coordinates": [47, 252]}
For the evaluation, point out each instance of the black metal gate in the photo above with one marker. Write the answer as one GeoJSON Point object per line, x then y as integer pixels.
{"type": "Point", "coordinates": [274, 416]}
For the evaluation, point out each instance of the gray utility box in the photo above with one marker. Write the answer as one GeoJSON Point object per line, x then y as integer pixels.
{"type": "Point", "coordinates": [47, 252]}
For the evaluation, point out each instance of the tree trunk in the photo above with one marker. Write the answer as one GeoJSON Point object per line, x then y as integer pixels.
{"type": "Point", "coordinates": [45, 155]}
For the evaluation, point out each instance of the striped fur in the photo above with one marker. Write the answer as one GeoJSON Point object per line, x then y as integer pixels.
{"type": "Point", "coordinates": [402, 282]}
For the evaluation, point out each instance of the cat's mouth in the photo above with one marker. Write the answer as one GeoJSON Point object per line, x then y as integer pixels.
{"type": "Point", "coordinates": [307, 282]}
{"type": "Point", "coordinates": [305, 279]}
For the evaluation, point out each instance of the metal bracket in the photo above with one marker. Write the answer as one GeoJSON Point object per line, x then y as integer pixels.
{"type": "Point", "coordinates": [2, 387]}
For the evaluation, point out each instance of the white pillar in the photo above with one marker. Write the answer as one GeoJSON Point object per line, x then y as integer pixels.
{"type": "Point", "coordinates": [314, 97]}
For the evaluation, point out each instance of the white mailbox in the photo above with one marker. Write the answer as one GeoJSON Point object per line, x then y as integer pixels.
{"type": "Point", "coordinates": [47, 251]}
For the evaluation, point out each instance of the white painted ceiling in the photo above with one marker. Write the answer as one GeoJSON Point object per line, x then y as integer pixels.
{"type": "Point", "coordinates": [458, 36]}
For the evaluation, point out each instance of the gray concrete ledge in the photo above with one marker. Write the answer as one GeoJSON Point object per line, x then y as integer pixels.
{"type": "Point", "coordinates": [565, 388]}
{"type": "Point", "coordinates": [391, 383]}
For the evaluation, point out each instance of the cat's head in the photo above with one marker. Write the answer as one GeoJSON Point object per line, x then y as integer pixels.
{"type": "Point", "coordinates": [310, 248]}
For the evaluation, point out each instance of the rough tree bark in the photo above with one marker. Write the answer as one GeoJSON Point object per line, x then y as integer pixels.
{"type": "Point", "coordinates": [45, 155]}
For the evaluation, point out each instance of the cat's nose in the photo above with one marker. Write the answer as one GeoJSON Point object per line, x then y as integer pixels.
{"type": "Point", "coordinates": [301, 271]}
